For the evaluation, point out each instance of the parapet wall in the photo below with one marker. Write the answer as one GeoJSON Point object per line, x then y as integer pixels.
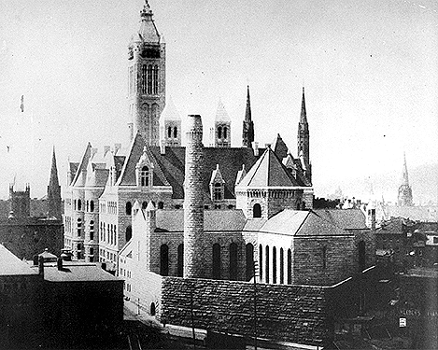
{"type": "Point", "coordinates": [284, 313]}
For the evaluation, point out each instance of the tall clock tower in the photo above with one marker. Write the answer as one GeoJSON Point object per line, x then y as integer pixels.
{"type": "Point", "coordinates": [146, 79]}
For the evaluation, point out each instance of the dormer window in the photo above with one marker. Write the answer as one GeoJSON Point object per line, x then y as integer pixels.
{"type": "Point", "coordinates": [144, 170]}
{"type": "Point", "coordinates": [217, 185]}
{"type": "Point", "coordinates": [144, 177]}
{"type": "Point", "coordinates": [218, 191]}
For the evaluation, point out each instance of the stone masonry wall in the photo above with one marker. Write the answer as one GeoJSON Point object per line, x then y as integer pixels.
{"type": "Point", "coordinates": [289, 313]}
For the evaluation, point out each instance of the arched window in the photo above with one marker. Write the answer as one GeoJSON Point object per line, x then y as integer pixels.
{"type": "Point", "coordinates": [175, 132]}
{"type": "Point", "coordinates": [164, 260]}
{"type": "Point", "coordinates": [218, 189]}
{"type": "Point", "coordinates": [274, 265]}
{"type": "Point", "coordinates": [128, 208]}
{"type": "Point", "coordinates": [150, 77]}
{"type": "Point", "coordinates": [216, 261]}
{"type": "Point", "coordinates": [144, 176]}
{"type": "Point", "coordinates": [91, 230]}
{"type": "Point", "coordinates": [144, 205]}
{"type": "Point", "coordinates": [169, 132]}
{"type": "Point", "coordinates": [128, 233]}
{"type": "Point", "coordinates": [256, 211]}
{"type": "Point", "coordinates": [91, 206]}
{"type": "Point", "coordinates": [267, 264]}
{"type": "Point", "coordinates": [260, 262]}
{"type": "Point", "coordinates": [362, 256]}
{"type": "Point", "coordinates": [180, 260]}
{"type": "Point", "coordinates": [79, 204]}
{"type": "Point", "coordinates": [281, 266]}
{"type": "Point", "coordinates": [79, 227]}
{"type": "Point", "coordinates": [233, 261]}
{"type": "Point", "coordinates": [249, 261]}
{"type": "Point", "coordinates": [289, 266]}
{"type": "Point", "coordinates": [219, 132]}
{"type": "Point", "coordinates": [144, 78]}
{"type": "Point", "coordinates": [160, 205]}
{"type": "Point", "coordinates": [155, 80]}
{"type": "Point", "coordinates": [225, 132]}
{"type": "Point", "coordinates": [111, 234]}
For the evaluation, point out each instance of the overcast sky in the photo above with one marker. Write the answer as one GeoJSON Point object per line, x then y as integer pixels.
{"type": "Point", "coordinates": [369, 68]}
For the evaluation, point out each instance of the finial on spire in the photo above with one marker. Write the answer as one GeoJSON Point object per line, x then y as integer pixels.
{"type": "Point", "coordinates": [146, 10]}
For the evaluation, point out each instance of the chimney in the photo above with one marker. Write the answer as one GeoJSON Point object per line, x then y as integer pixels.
{"type": "Point", "coordinates": [256, 148]}
{"type": "Point", "coordinates": [194, 246]}
{"type": "Point", "coordinates": [59, 263]}
{"type": "Point", "coordinates": [41, 266]}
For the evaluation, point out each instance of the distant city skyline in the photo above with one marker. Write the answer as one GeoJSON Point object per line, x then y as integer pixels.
{"type": "Point", "coordinates": [369, 70]}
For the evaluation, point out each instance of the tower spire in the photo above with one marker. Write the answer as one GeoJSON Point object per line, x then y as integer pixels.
{"type": "Point", "coordinates": [248, 124]}
{"type": "Point", "coordinates": [405, 178]}
{"type": "Point", "coordinates": [54, 191]}
{"type": "Point", "coordinates": [304, 140]}
{"type": "Point", "coordinates": [303, 117]}
{"type": "Point", "coordinates": [405, 191]}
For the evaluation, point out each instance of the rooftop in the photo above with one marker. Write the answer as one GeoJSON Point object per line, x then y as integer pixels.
{"type": "Point", "coordinates": [11, 265]}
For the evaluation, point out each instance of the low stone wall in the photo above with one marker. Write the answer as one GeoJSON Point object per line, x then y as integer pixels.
{"type": "Point", "coordinates": [288, 313]}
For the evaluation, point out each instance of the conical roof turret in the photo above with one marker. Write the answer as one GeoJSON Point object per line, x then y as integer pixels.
{"type": "Point", "coordinates": [303, 117]}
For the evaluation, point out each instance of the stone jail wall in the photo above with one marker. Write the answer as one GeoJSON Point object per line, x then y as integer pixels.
{"type": "Point", "coordinates": [289, 313]}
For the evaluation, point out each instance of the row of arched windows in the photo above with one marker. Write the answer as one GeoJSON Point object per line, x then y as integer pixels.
{"type": "Point", "coordinates": [89, 205]}
{"type": "Point", "coordinates": [222, 132]}
{"type": "Point", "coordinates": [128, 206]}
{"type": "Point", "coordinates": [149, 79]}
{"type": "Point", "coordinates": [271, 269]}
{"type": "Point", "coordinates": [175, 132]}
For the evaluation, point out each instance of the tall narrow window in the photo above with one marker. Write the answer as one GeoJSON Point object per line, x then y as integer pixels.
{"type": "Point", "coordinates": [257, 211]}
{"type": "Point", "coordinates": [180, 260]}
{"type": "Point", "coordinates": [260, 262]}
{"type": "Point", "coordinates": [169, 132]}
{"type": "Point", "coordinates": [155, 80]}
{"type": "Point", "coordinates": [160, 205]}
{"type": "Point", "coordinates": [225, 132]}
{"type": "Point", "coordinates": [92, 206]}
{"type": "Point", "coordinates": [281, 266]}
{"type": "Point", "coordinates": [79, 227]}
{"type": "Point", "coordinates": [91, 230]}
{"type": "Point", "coordinates": [144, 79]}
{"type": "Point", "coordinates": [289, 266]}
{"type": "Point", "coordinates": [267, 264]}
{"type": "Point", "coordinates": [164, 260]}
{"type": "Point", "coordinates": [218, 189]}
{"type": "Point", "coordinates": [128, 208]}
{"type": "Point", "coordinates": [219, 132]}
{"type": "Point", "coordinates": [79, 204]}
{"type": "Point", "coordinates": [144, 177]}
{"type": "Point", "coordinates": [175, 132]}
{"type": "Point", "coordinates": [233, 261]}
{"type": "Point", "coordinates": [150, 78]}
{"type": "Point", "coordinates": [128, 233]}
{"type": "Point", "coordinates": [249, 261]}
{"type": "Point", "coordinates": [216, 261]}
{"type": "Point", "coordinates": [274, 265]}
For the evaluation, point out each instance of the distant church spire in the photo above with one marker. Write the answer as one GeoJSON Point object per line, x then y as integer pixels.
{"type": "Point", "coordinates": [248, 124]}
{"type": "Point", "coordinates": [405, 191]}
{"type": "Point", "coordinates": [54, 191]}
{"type": "Point", "coordinates": [303, 140]}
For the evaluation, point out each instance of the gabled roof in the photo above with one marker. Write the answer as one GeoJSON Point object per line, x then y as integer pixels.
{"type": "Point", "coordinates": [280, 147]}
{"type": "Point", "coordinates": [268, 172]}
{"type": "Point", "coordinates": [79, 180]}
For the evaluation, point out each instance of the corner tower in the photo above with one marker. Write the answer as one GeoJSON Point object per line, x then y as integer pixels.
{"type": "Point", "coordinates": [146, 79]}
{"type": "Point", "coordinates": [222, 127]}
{"type": "Point", "coordinates": [303, 141]}
{"type": "Point", "coordinates": [248, 124]}
{"type": "Point", "coordinates": [54, 192]}
{"type": "Point", "coordinates": [405, 191]}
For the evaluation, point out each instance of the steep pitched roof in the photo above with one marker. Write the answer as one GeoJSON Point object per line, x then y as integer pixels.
{"type": "Point", "coordinates": [221, 113]}
{"type": "Point", "coordinates": [268, 172]}
{"type": "Point", "coordinates": [280, 147]}
{"type": "Point", "coordinates": [79, 180]}
{"type": "Point", "coordinates": [11, 265]}
{"type": "Point", "coordinates": [170, 112]}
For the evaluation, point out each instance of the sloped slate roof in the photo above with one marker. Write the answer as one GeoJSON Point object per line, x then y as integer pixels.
{"type": "Point", "coordinates": [214, 220]}
{"type": "Point", "coordinates": [169, 168]}
{"type": "Point", "coordinates": [349, 219]}
{"type": "Point", "coordinates": [221, 113]}
{"type": "Point", "coordinates": [269, 171]}
{"type": "Point", "coordinates": [11, 265]}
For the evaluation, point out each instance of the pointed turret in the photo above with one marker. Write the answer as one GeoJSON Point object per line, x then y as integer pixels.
{"type": "Point", "coordinates": [248, 125]}
{"type": "Point", "coordinates": [222, 127]}
{"type": "Point", "coordinates": [54, 191]}
{"type": "Point", "coordinates": [405, 191]}
{"type": "Point", "coordinates": [303, 139]}
{"type": "Point", "coordinates": [171, 125]}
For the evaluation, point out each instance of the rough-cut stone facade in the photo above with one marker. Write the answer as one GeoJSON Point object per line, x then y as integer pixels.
{"type": "Point", "coordinates": [285, 313]}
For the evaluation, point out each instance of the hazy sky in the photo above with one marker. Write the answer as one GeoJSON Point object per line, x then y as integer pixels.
{"type": "Point", "coordinates": [369, 68]}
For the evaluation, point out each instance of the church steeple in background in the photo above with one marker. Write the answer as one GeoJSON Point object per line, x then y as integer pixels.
{"type": "Point", "coordinates": [54, 191]}
{"type": "Point", "coordinates": [248, 124]}
{"type": "Point", "coordinates": [405, 191]}
{"type": "Point", "coordinates": [303, 140]}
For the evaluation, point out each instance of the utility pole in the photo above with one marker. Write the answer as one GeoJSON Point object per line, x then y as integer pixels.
{"type": "Point", "coordinates": [255, 304]}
